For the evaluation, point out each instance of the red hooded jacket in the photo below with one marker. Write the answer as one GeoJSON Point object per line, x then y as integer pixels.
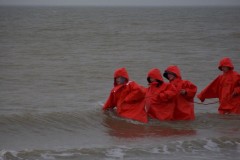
{"type": "Point", "coordinates": [226, 87]}
{"type": "Point", "coordinates": [128, 98]}
{"type": "Point", "coordinates": [184, 109]}
{"type": "Point", "coordinates": [160, 97]}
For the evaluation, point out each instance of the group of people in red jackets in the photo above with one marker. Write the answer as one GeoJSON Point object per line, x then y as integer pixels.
{"type": "Point", "coordinates": [174, 100]}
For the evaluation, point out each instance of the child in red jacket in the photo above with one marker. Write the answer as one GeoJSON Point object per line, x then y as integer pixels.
{"type": "Point", "coordinates": [127, 96]}
{"type": "Point", "coordinates": [186, 91]}
{"type": "Point", "coordinates": [225, 87]}
{"type": "Point", "coordinates": [160, 96]}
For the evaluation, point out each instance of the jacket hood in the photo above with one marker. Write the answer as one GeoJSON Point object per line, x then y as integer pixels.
{"type": "Point", "coordinates": [225, 62]}
{"type": "Point", "coordinates": [173, 70]}
{"type": "Point", "coordinates": [120, 72]}
{"type": "Point", "coordinates": [156, 74]}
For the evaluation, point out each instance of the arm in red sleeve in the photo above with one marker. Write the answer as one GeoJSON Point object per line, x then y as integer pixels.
{"type": "Point", "coordinates": [236, 90]}
{"type": "Point", "coordinates": [136, 93]}
{"type": "Point", "coordinates": [109, 103]}
{"type": "Point", "coordinates": [190, 89]}
{"type": "Point", "coordinates": [211, 91]}
{"type": "Point", "coordinates": [169, 93]}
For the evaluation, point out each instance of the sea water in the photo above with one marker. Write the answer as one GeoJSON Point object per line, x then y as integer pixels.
{"type": "Point", "coordinates": [56, 71]}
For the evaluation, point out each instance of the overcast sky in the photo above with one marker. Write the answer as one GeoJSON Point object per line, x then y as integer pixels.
{"type": "Point", "coordinates": [123, 2]}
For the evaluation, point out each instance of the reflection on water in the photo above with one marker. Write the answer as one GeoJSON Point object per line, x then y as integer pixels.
{"type": "Point", "coordinates": [123, 128]}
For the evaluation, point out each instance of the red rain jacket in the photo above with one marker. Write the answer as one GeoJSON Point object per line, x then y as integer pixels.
{"type": "Point", "coordinates": [184, 109]}
{"type": "Point", "coordinates": [128, 98]}
{"type": "Point", "coordinates": [160, 99]}
{"type": "Point", "coordinates": [223, 88]}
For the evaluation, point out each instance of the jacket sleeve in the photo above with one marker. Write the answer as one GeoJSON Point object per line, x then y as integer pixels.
{"type": "Point", "coordinates": [136, 93]}
{"type": "Point", "coordinates": [191, 90]}
{"type": "Point", "coordinates": [237, 88]}
{"type": "Point", "coordinates": [169, 93]}
{"type": "Point", "coordinates": [211, 91]}
{"type": "Point", "coordinates": [109, 103]}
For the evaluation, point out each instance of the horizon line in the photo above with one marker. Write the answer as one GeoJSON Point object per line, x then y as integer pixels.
{"type": "Point", "coordinates": [94, 5]}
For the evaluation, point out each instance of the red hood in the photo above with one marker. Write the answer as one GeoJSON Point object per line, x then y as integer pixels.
{"type": "Point", "coordinates": [120, 72]}
{"type": "Point", "coordinates": [173, 69]}
{"type": "Point", "coordinates": [225, 62]}
{"type": "Point", "coordinates": [155, 73]}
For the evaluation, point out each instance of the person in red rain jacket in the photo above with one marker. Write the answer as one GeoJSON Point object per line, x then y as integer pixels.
{"type": "Point", "coordinates": [160, 96]}
{"type": "Point", "coordinates": [225, 87]}
{"type": "Point", "coordinates": [186, 91]}
{"type": "Point", "coordinates": [127, 96]}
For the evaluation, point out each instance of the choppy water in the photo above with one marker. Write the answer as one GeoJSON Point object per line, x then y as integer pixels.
{"type": "Point", "coordinates": [56, 68]}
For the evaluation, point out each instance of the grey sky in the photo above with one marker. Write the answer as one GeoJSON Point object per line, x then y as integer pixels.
{"type": "Point", "coordinates": [122, 2]}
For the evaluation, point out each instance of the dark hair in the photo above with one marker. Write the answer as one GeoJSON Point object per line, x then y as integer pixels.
{"type": "Point", "coordinates": [165, 74]}
{"type": "Point", "coordinates": [148, 79]}
{"type": "Point", "coordinates": [159, 81]}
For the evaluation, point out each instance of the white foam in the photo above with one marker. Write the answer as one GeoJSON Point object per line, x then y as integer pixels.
{"type": "Point", "coordinates": [116, 153]}
{"type": "Point", "coordinates": [165, 149]}
{"type": "Point", "coordinates": [47, 156]}
{"type": "Point", "coordinates": [212, 146]}
{"type": "Point", "coordinates": [4, 152]}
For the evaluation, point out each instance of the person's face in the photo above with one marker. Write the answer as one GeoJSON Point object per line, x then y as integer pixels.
{"type": "Point", "coordinates": [171, 76]}
{"type": "Point", "coordinates": [120, 80]}
{"type": "Point", "coordinates": [225, 69]}
{"type": "Point", "coordinates": [152, 80]}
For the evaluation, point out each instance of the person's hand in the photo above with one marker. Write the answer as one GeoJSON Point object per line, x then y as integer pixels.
{"type": "Point", "coordinates": [183, 92]}
{"type": "Point", "coordinates": [199, 97]}
{"type": "Point", "coordinates": [234, 94]}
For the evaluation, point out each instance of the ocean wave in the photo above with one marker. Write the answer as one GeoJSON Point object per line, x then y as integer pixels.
{"type": "Point", "coordinates": [94, 118]}
{"type": "Point", "coordinates": [92, 134]}
{"type": "Point", "coordinates": [50, 121]}
{"type": "Point", "coordinates": [207, 148]}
